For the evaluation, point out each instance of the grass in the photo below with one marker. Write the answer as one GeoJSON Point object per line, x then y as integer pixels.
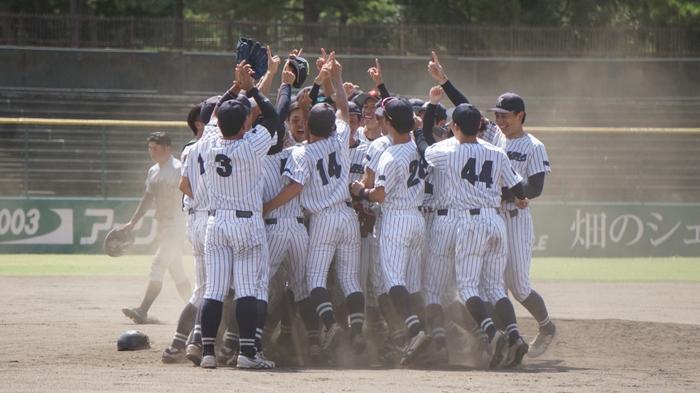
{"type": "Point", "coordinates": [575, 269]}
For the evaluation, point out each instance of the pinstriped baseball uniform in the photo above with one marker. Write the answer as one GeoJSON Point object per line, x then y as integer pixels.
{"type": "Point", "coordinates": [358, 153]}
{"type": "Point", "coordinates": [333, 229]}
{"type": "Point", "coordinates": [528, 157]}
{"type": "Point", "coordinates": [376, 275]}
{"type": "Point", "coordinates": [493, 135]}
{"type": "Point", "coordinates": [477, 171]}
{"type": "Point", "coordinates": [441, 248]}
{"type": "Point", "coordinates": [286, 234]}
{"type": "Point", "coordinates": [403, 225]}
{"type": "Point", "coordinates": [196, 209]}
{"type": "Point", "coordinates": [235, 243]}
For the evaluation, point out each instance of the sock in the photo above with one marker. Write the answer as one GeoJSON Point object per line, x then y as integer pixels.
{"type": "Point", "coordinates": [184, 326]}
{"type": "Point", "coordinates": [322, 298]}
{"type": "Point", "coordinates": [356, 306]}
{"type": "Point", "coordinates": [260, 325]}
{"type": "Point", "coordinates": [152, 292]}
{"type": "Point", "coordinates": [231, 341]}
{"type": "Point", "coordinates": [246, 316]}
{"type": "Point", "coordinates": [211, 317]}
{"type": "Point", "coordinates": [506, 314]}
{"type": "Point", "coordinates": [478, 311]}
{"type": "Point", "coordinates": [535, 305]}
{"type": "Point", "coordinates": [400, 297]}
{"type": "Point", "coordinates": [435, 320]}
{"type": "Point", "coordinates": [197, 330]}
{"type": "Point", "coordinates": [286, 313]}
{"type": "Point", "coordinates": [310, 319]}
{"type": "Point", "coordinates": [391, 316]}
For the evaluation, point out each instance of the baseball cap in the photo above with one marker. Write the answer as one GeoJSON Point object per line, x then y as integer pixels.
{"type": "Point", "coordinates": [509, 102]}
{"type": "Point", "coordinates": [231, 115]}
{"type": "Point", "coordinates": [362, 97]}
{"type": "Point", "coordinates": [321, 119]}
{"type": "Point", "coordinates": [208, 108]}
{"type": "Point", "coordinates": [399, 112]}
{"type": "Point", "coordinates": [417, 104]}
{"type": "Point", "coordinates": [468, 118]}
{"type": "Point", "coordinates": [440, 111]}
{"type": "Point", "coordinates": [354, 109]}
{"type": "Point", "coordinates": [379, 112]}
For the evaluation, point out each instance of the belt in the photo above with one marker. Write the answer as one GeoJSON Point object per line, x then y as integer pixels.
{"type": "Point", "coordinates": [239, 213]}
{"type": "Point", "coordinates": [191, 211]}
{"type": "Point", "coordinates": [273, 221]}
{"type": "Point", "coordinates": [472, 212]}
{"type": "Point", "coordinates": [426, 209]}
{"type": "Point", "coordinates": [511, 213]}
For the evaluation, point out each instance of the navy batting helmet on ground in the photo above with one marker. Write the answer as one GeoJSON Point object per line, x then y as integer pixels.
{"type": "Point", "coordinates": [118, 241]}
{"type": "Point", "coordinates": [133, 340]}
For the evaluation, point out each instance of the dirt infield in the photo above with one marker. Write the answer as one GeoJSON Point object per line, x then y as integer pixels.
{"type": "Point", "coordinates": [59, 334]}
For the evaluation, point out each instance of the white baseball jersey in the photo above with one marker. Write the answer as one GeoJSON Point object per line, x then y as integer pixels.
{"type": "Point", "coordinates": [286, 234]}
{"type": "Point", "coordinates": [236, 245]}
{"type": "Point", "coordinates": [528, 157]}
{"type": "Point", "coordinates": [375, 150]}
{"type": "Point", "coordinates": [476, 171]}
{"type": "Point", "coordinates": [357, 160]}
{"type": "Point", "coordinates": [403, 226]}
{"type": "Point", "coordinates": [183, 158]}
{"type": "Point", "coordinates": [321, 167]}
{"type": "Point", "coordinates": [494, 135]}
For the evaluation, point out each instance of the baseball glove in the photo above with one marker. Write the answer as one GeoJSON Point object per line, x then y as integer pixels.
{"type": "Point", "coordinates": [300, 68]}
{"type": "Point", "coordinates": [118, 241]}
{"type": "Point", "coordinates": [254, 54]}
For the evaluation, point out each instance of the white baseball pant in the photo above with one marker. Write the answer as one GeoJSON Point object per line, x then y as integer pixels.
{"type": "Point", "coordinates": [196, 232]}
{"type": "Point", "coordinates": [288, 242]}
{"type": "Point", "coordinates": [400, 247]}
{"type": "Point", "coordinates": [521, 236]}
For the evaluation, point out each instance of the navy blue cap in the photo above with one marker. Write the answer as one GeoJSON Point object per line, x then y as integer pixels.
{"type": "Point", "coordinates": [440, 111]}
{"type": "Point", "coordinates": [468, 118]}
{"type": "Point", "coordinates": [399, 112]}
{"type": "Point", "coordinates": [509, 102]}
{"type": "Point", "coordinates": [232, 114]}
{"type": "Point", "coordinates": [354, 109]}
{"type": "Point", "coordinates": [207, 108]}
{"type": "Point", "coordinates": [321, 119]}
{"type": "Point", "coordinates": [417, 104]}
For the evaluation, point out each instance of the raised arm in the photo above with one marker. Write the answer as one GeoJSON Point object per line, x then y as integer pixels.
{"type": "Point", "coordinates": [273, 64]}
{"type": "Point", "coordinates": [341, 100]}
{"type": "Point", "coordinates": [438, 74]}
{"type": "Point", "coordinates": [376, 74]}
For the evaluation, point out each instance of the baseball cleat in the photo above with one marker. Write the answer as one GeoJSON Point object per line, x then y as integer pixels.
{"type": "Point", "coordinates": [173, 355]}
{"type": "Point", "coordinates": [257, 363]}
{"type": "Point", "coordinates": [193, 353]}
{"type": "Point", "coordinates": [415, 345]}
{"type": "Point", "coordinates": [331, 339]}
{"type": "Point", "coordinates": [497, 347]}
{"type": "Point", "coordinates": [208, 361]}
{"type": "Point", "coordinates": [542, 341]}
{"type": "Point", "coordinates": [135, 314]}
{"type": "Point", "coordinates": [228, 357]}
{"type": "Point", "coordinates": [516, 353]}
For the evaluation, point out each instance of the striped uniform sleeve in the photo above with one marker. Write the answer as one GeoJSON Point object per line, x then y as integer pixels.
{"type": "Point", "coordinates": [211, 129]}
{"type": "Point", "coordinates": [342, 130]}
{"type": "Point", "coordinates": [190, 164]}
{"type": "Point", "coordinates": [296, 168]}
{"type": "Point", "coordinates": [374, 154]}
{"type": "Point", "coordinates": [538, 161]}
{"type": "Point", "coordinates": [260, 140]}
{"type": "Point", "coordinates": [388, 175]}
{"type": "Point", "coordinates": [434, 158]}
{"type": "Point", "coordinates": [509, 177]}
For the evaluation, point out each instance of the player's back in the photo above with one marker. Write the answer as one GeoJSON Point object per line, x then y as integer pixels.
{"type": "Point", "coordinates": [442, 194]}
{"type": "Point", "coordinates": [232, 171]}
{"type": "Point", "coordinates": [194, 170]}
{"type": "Point", "coordinates": [475, 171]}
{"type": "Point", "coordinates": [399, 174]}
{"type": "Point", "coordinates": [273, 182]}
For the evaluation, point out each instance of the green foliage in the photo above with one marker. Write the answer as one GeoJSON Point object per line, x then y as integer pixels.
{"type": "Point", "coordinates": [576, 13]}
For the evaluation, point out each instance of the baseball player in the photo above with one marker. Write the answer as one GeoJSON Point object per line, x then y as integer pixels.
{"type": "Point", "coordinates": [529, 158]}
{"type": "Point", "coordinates": [196, 209]}
{"type": "Point", "coordinates": [235, 243]}
{"type": "Point", "coordinates": [317, 173]}
{"type": "Point", "coordinates": [399, 188]}
{"type": "Point", "coordinates": [476, 172]}
{"type": "Point", "coordinates": [162, 190]}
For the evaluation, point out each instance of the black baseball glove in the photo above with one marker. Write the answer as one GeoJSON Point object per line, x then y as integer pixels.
{"type": "Point", "coordinates": [117, 241]}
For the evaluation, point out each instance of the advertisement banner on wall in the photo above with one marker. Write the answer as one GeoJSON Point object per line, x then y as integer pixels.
{"type": "Point", "coordinates": [54, 225]}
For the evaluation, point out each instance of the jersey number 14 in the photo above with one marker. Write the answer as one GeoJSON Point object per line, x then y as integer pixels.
{"type": "Point", "coordinates": [334, 169]}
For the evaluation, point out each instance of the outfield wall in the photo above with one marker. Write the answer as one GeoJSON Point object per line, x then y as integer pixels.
{"type": "Point", "coordinates": [561, 229]}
